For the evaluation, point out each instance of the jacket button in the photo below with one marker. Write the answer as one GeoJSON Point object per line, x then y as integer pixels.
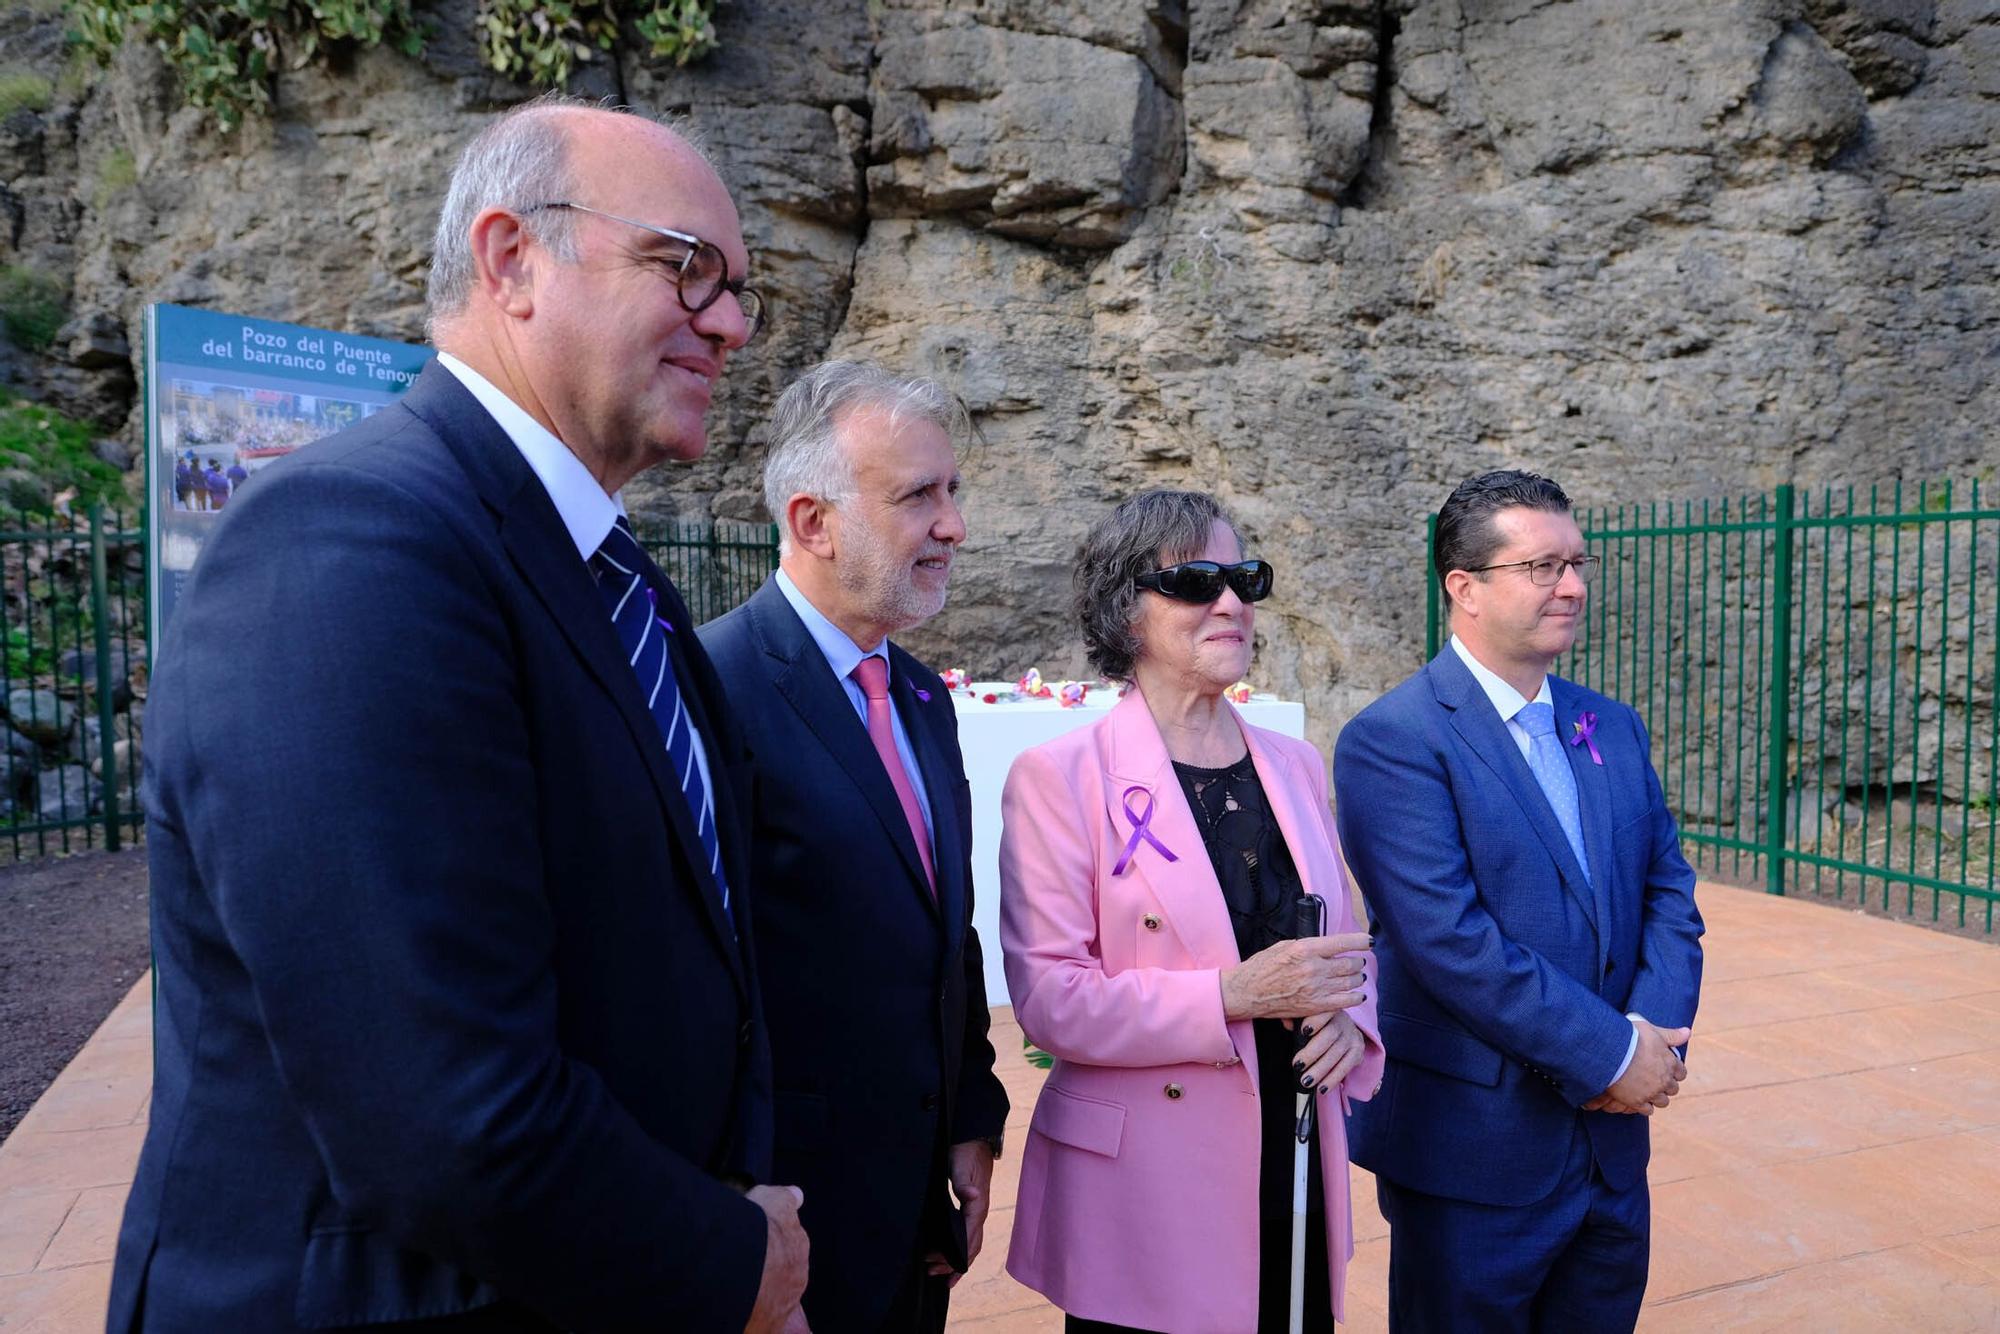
{"type": "Point", "coordinates": [1174, 1090]}
{"type": "Point", "coordinates": [930, 1102]}
{"type": "Point", "coordinates": [1151, 921]}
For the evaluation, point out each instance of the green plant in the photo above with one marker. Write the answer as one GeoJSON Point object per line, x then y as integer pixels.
{"type": "Point", "coordinates": [225, 52]}
{"type": "Point", "coordinates": [44, 452]}
{"type": "Point", "coordinates": [25, 88]}
{"type": "Point", "coordinates": [542, 43]}
{"type": "Point", "coordinates": [1035, 1056]}
{"type": "Point", "coordinates": [116, 173]}
{"type": "Point", "coordinates": [682, 30]}
{"type": "Point", "coordinates": [33, 306]}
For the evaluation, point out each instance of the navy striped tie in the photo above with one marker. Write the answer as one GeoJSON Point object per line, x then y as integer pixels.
{"type": "Point", "coordinates": [635, 615]}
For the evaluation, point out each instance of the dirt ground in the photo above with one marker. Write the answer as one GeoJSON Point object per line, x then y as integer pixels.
{"type": "Point", "coordinates": [72, 943]}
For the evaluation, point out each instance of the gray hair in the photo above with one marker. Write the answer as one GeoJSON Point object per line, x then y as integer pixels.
{"type": "Point", "coordinates": [1151, 530]}
{"type": "Point", "coordinates": [520, 159]}
{"type": "Point", "coordinates": [805, 457]}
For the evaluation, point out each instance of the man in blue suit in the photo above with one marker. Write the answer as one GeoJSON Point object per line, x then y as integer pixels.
{"type": "Point", "coordinates": [861, 845]}
{"type": "Point", "coordinates": [1537, 938]}
{"type": "Point", "coordinates": [461, 1032]}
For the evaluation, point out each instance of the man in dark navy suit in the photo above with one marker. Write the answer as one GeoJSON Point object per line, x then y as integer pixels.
{"type": "Point", "coordinates": [1538, 943]}
{"type": "Point", "coordinates": [861, 851]}
{"type": "Point", "coordinates": [463, 1034]}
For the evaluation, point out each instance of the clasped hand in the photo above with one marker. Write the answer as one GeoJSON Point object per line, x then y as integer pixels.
{"type": "Point", "coordinates": [1653, 1077]}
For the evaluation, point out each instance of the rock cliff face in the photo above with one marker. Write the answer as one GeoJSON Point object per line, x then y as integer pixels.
{"type": "Point", "coordinates": [1322, 258]}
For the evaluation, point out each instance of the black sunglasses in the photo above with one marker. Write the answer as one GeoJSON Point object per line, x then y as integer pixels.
{"type": "Point", "coordinates": [1201, 581]}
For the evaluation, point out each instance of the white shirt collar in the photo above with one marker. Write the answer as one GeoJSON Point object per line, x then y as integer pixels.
{"type": "Point", "coordinates": [1507, 701]}
{"type": "Point", "coordinates": [842, 654]}
{"type": "Point", "coordinates": [586, 511]}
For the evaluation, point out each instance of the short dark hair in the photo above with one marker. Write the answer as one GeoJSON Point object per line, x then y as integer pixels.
{"type": "Point", "coordinates": [1151, 530]}
{"type": "Point", "coordinates": [1466, 538]}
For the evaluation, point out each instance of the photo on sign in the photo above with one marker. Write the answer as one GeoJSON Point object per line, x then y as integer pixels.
{"type": "Point", "coordinates": [215, 437]}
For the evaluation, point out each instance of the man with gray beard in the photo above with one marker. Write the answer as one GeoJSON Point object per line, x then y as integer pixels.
{"type": "Point", "coordinates": [873, 985]}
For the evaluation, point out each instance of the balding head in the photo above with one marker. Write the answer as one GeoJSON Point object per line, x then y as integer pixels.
{"type": "Point", "coordinates": [528, 156]}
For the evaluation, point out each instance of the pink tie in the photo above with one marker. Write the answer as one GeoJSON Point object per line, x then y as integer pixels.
{"type": "Point", "coordinates": [872, 674]}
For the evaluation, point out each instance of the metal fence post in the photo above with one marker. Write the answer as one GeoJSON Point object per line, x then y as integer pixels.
{"type": "Point", "coordinates": [107, 706]}
{"type": "Point", "coordinates": [1781, 686]}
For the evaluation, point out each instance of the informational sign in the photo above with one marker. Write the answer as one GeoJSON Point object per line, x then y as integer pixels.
{"type": "Point", "coordinates": [226, 396]}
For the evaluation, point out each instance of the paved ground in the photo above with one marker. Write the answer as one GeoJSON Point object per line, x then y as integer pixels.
{"type": "Point", "coordinates": [1834, 1163]}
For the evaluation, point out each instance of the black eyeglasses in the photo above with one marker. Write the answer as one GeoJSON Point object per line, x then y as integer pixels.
{"type": "Point", "coordinates": [1547, 573]}
{"type": "Point", "coordinates": [701, 277]}
{"type": "Point", "coordinates": [1202, 581]}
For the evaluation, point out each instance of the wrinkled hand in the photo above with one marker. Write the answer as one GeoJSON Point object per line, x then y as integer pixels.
{"type": "Point", "coordinates": [1653, 1077]}
{"type": "Point", "coordinates": [1334, 1045]}
{"type": "Point", "coordinates": [971, 1165]}
{"type": "Point", "coordinates": [785, 1251]}
{"type": "Point", "coordinates": [1296, 979]}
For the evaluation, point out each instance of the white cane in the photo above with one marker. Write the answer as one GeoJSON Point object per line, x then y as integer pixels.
{"type": "Point", "coordinates": [1301, 1161]}
{"type": "Point", "coordinates": [1309, 918]}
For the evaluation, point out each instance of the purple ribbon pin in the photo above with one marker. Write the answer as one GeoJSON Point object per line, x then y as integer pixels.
{"type": "Point", "coordinates": [922, 694]}
{"type": "Point", "coordinates": [653, 602]}
{"type": "Point", "coordinates": [1586, 728]}
{"type": "Point", "coordinates": [1141, 830]}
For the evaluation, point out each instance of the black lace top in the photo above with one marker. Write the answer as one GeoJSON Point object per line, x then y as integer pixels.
{"type": "Point", "coordinates": [1260, 883]}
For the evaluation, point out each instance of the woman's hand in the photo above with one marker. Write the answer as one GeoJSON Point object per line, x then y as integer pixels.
{"type": "Point", "coordinates": [1334, 1046]}
{"type": "Point", "coordinates": [1294, 979]}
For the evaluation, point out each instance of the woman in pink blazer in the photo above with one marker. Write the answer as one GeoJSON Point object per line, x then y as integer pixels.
{"type": "Point", "coordinates": [1149, 869]}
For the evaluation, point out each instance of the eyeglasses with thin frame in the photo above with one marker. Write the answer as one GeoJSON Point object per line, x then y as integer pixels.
{"type": "Point", "coordinates": [701, 277]}
{"type": "Point", "coordinates": [1202, 581]}
{"type": "Point", "coordinates": [1547, 572]}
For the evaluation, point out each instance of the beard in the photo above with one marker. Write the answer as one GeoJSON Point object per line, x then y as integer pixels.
{"type": "Point", "coordinates": [877, 578]}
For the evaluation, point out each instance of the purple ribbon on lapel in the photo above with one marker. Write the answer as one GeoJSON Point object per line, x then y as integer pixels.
{"type": "Point", "coordinates": [922, 694]}
{"type": "Point", "coordinates": [653, 604]}
{"type": "Point", "coordinates": [1586, 728]}
{"type": "Point", "coordinates": [1141, 830]}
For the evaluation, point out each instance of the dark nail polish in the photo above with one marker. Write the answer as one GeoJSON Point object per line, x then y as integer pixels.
{"type": "Point", "coordinates": [1323, 1088]}
{"type": "Point", "coordinates": [1306, 1032]}
{"type": "Point", "coordinates": [1298, 1067]}
{"type": "Point", "coordinates": [1306, 1083]}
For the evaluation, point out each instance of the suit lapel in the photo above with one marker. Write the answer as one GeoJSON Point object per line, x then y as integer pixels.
{"type": "Point", "coordinates": [1593, 792]}
{"type": "Point", "coordinates": [540, 547]}
{"type": "Point", "coordinates": [1137, 769]}
{"type": "Point", "coordinates": [822, 703]}
{"type": "Point", "coordinates": [1475, 718]}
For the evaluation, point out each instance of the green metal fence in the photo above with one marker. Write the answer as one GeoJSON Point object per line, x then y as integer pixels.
{"type": "Point", "coordinates": [1818, 671]}
{"type": "Point", "coordinates": [73, 679]}
{"type": "Point", "coordinates": [715, 565]}
{"type": "Point", "coordinates": [72, 620]}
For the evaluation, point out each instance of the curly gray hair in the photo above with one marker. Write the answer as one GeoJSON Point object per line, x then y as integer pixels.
{"type": "Point", "coordinates": [1151, 530]}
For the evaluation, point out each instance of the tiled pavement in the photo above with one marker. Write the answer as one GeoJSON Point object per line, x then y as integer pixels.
{"type": "Point", "coordinates": [1832, 1164]}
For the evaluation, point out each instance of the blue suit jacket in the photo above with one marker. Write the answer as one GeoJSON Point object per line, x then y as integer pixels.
{"type": "Point", "coordinates": [1505, 974]}
{"type": "Point", "coordinates": [450, 1022]}
{"type": "Point", "coordinates": [875, 990]}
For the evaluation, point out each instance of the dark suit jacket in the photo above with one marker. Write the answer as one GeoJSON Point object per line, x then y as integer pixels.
{"type": "Point", "coordinates": [1505, 974]}
{"type": "Point", "coordinates": [449, 1020]}
{"type": "Point", "coordinates": [875, 992]}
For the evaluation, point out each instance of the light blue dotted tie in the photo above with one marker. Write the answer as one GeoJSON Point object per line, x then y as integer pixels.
{"type": "Point", "coordinates": [1552, 771]}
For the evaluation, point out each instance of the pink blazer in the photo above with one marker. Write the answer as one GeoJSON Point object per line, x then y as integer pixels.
{"type": "Point", "coordinates": [1138, 1199]}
